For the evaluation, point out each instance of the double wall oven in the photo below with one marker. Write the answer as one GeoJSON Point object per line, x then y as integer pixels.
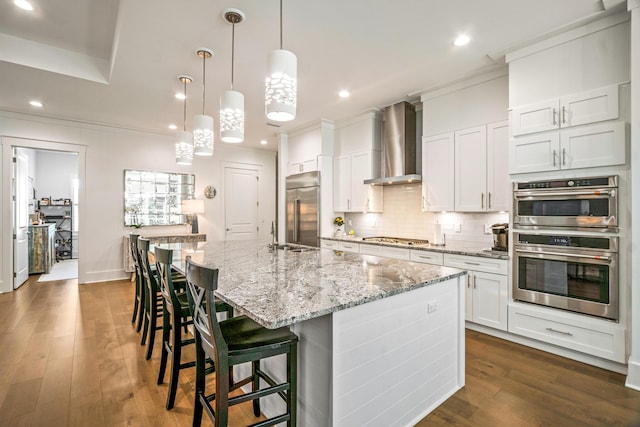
{"type": "Point", "coordinates": [565, 247]}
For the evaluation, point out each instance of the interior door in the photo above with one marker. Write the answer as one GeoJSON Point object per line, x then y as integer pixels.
{"type": "Point", "coordinates": [20, 218]}
{"type": "Point", "coordinates": [241, 203]}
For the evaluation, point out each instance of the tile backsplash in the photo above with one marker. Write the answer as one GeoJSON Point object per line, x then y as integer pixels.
{"type": "Point", "coordinates": [403, 217]}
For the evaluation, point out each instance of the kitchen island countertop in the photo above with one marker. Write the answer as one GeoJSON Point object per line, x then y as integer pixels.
{"type": "Point", "coordinates": [278, 287]}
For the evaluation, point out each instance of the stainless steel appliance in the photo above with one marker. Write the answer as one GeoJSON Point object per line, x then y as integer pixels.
{"type": "Point", "coordinates": [579, 203]}
{"type": "Point", "coordinates": [500, 237]}
{"type": "Point", "coordinates": [572, 272]}
{"type": "Point", "coordinates": [303, 208]}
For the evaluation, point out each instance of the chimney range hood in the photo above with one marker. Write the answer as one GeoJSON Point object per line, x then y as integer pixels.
{"type": "Point", "coordinates": [399, 146]}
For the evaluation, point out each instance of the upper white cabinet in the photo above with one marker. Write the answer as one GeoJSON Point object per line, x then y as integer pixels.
{"type": "Point", "coordinates": [358, 157]}
{"type": "Point", "coordinates": [307, 165]}
{"type": "Point", "coordinates": [572, 110]}
{"type": "Point", "coordinates": [471, 169]}
{"type": "Point", "coordinates": [602, 144]}
{"type": "Point", "coordinates": [438, 164]}
{"type": "Point", "coordinates": [350, 192]}
{"type": "Point", "coordinates": [498, 184]}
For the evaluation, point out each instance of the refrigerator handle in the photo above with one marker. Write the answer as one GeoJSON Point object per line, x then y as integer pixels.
{"type": "Point", "coordinates": [296, 219]}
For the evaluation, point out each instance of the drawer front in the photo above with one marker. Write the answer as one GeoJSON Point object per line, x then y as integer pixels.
{"type": "Point", "coordinates": [370, 249]}
{"type": "Point", "coordinates": [486, 265]}
{"type": "Point", "coordinates": [350, 247]}
{"type": "Point", "coordinates": [604, 340]}
{"type": "Point", "coordinates": [330, 244]}
{"type": "Point", "coordinates": [435, 258]}
{"type": "Point", "coordinates": [397, 253]}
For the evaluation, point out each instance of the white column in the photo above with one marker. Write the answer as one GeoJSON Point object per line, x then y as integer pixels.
{"type": "Point", "coordinates": [283, 161]}
{"type": "Point", "coordinates": [633, 377]}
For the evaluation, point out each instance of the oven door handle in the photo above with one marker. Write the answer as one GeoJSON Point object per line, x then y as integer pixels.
{"type": "Point", "coordinates": [597, 257]}
{"type": "Point", "coordinates": [543, 194]}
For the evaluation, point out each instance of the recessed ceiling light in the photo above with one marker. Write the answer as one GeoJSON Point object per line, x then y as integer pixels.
{"type": "Point", "coordinates": [36, 104]}
{"type": "Point", "coordinates": [180, 96]}
{"type": "Point", "coordinates": [173, 127]}
{"type": "Point", "coordinates": [344, 94]}
{"type": "Point", "coordinates": [23, 4]}
{"type": "Point", "coordinates": [462, 40]}
{"type": "Point", "coordinates": [263, 142]}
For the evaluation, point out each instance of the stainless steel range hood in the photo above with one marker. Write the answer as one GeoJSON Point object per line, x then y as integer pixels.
{"type": "Point", "coordinates": [399, 146]}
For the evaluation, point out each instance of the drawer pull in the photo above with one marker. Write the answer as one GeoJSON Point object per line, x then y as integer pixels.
{"type": "Point", "coordinates": [559, 332]}
{"type": "Point", "coordinates": [471, 263]}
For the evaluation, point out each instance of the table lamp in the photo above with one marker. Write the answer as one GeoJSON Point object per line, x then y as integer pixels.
{"type": "Point", "coordinates": [192, 208]}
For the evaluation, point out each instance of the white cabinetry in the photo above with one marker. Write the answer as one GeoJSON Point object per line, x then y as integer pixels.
{"type": "Point", "coordinates": [340, 245]}
{"type": "Point", "coordinates": [438, 163]}
{"type": "Point", "coordinates": [350, 192]}
{"type": "Point", "coordinates": [596, 145]}
{"type": "Point", "coordinates": [427, 257]}
{"type": "Point", "coordinates": [303, 166]}
{"type": "Point", "coordinates": [487, 289]}
{"type": "Point", "coordinates": [577, 332]}
{"type": "Point", "coordinates": [572, 110]}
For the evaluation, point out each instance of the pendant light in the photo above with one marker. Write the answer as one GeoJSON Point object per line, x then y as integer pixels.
{"type": "Point", "coordinates": [202, 124]}
{"type": "Point", "coordinates": [184, 139]}
{"type": "Point", "coordinates": [281, 83]}
{"type": "Point", "coordinates": [232, 101]}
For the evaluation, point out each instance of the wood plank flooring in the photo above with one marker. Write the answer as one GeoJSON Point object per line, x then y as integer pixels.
{"type": "Point", "coordinates": [69, 356]}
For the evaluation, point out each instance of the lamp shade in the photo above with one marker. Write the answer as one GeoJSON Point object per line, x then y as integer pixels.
{"type": "Point", "coordinates": [203, 135]}
{"type": "Point", "coordinates": [184, 147]}
{"type": "Point", "coordinates": [192, 206]}
{"type": "Point", "coordinates": [281, 85]}
{"type": "Point", "coordinates": [232, 116]}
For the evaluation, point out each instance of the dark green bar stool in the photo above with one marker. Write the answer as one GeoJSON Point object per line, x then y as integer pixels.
{"type": "Point", "coordinates": [175, 317]}
{"type": "Point", "coordinates": [153, 299]}
{"type": "Point", "coordinates": [138, 302]}
{"type": "Point", "coordinates": [231, 342]}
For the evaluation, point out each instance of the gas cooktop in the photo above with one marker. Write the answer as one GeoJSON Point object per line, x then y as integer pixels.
{"type": "Point", "coordinates": [397, 240]}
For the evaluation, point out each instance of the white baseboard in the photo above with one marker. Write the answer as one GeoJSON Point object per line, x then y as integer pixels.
{"type": "Point", "coordinates": [633, 377]}
{"type": "Point", "coordinates": [102, 276]}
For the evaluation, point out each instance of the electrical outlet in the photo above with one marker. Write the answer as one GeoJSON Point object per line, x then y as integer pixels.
{"type": "Point", "coordinates": [432, 306]}
{"type": "Point", "coordinates": [457, 228]}
{"type": "Point", "coordinates": [487, 229]}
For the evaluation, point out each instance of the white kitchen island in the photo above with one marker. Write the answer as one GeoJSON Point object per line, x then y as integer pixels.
{"type": "Point", "coordinates": [381, 340]}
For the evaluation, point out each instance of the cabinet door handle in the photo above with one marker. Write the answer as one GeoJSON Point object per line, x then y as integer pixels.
{"type": "Point", "coordinates": [469, 281]}
{"type": "Point", "coordinates": [368, 204]}
{"type": "Point", "coordinates": [554, 158]}
{"type": "Point", "coordinates": [474, 282]}
{"type": "Point", "coordinates": [349, 203]}
{"type": "Point", "coordinates": [481, 200]}
{"type": "Point", "coordinates": [564, 153]}
{"type": "Point", "coordinates": [564, 115]}
{"type": "Point", "coordinates": [489, 200]}
{"type": "Point", "coordinates": [471, 263]}
{"type": "Point", "coordinates": [555, 122]}
{"type": "Point", "coordinates": [559, 332]}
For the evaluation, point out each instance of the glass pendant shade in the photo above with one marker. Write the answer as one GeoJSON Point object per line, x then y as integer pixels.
{"type": "Point", "coordinates": [203, 135]}
{"type": "Point", "coordinates": [281, 85]}
{"type": "Point", "coordinates": [232, 116]}
{"type": "Point", "coordinates": [184, 147]}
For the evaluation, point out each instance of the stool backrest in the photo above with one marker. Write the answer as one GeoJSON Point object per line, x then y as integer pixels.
{"type": "Point", "coordinates": [143, 256]}
{"type": "Point", "coordinates": [201, 284]}
{"type": "Point", "coordinates": [164, 258]}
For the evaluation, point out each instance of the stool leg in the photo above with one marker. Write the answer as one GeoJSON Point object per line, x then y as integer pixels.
{"type": "Point", "coordinates": [153, 320]}
{"type": "Point", "coordinates": [135, 300]}
{"type": "Point", "coordinates": [292, 379]}
{"type": "Point", "coordinates": [141, 307]}
{"type": "Point", "coordinates": [166, 330]}
{"type": "Point", "coordinates": [200, 382]}
{"type": "Point", "coordinates": [255, 386]}
{"type": "Point", "coordinates": [176, 353]}
{"type": "Point", "coordinates": [222, 391]}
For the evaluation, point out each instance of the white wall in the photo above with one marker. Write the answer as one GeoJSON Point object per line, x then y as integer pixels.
{"type": "Point", "coordinates": [54, 172]}
{"type": "Point", "coordinates": [108, 152]}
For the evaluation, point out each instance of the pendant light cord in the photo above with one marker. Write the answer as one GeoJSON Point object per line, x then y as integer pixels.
{"type": "Point", "coordinates": [204, 84]}
{"type": "Point", "coordinates": [184, 117]}
{"type": "Point", "coordinates": [280, 24]}
{"type": "Point", "coordinates": [233, 43]}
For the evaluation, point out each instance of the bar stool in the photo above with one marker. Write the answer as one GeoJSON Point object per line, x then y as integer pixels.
{"type": "Point", "coordinates": [175, 317]}
{"type": "Point", "coordinates": [231, 342]}
{"type": "Point", "coordinates": [153, 299]}
{"type": "Point", "coordinates": [138, 302]}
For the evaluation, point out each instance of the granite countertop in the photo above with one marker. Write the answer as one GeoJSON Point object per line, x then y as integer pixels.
{"type": "Point", "coordinates": [450, 249]}
{"type": "Point", "coordinates": [281, 287]}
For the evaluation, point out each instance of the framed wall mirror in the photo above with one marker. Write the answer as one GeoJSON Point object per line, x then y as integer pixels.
{"type": "Point", "coordinates": [155, 198]}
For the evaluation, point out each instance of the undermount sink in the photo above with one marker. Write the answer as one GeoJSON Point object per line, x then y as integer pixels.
{"type": "Point", "coordinates": [288, 247]}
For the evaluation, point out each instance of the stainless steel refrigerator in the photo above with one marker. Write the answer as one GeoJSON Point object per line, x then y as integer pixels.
{"type": "Point", "coordinates": [303, 208]}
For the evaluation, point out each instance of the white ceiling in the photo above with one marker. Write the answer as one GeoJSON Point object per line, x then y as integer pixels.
{"type": "Point", "coordinates": [116, 62]}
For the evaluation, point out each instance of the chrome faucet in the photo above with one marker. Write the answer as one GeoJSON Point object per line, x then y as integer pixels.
{"type": "Point", "coordinates": [274, 242]}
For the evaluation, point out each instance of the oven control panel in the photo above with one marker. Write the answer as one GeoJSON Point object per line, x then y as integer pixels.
{"type": "Point", "coordinates": [602, 181]}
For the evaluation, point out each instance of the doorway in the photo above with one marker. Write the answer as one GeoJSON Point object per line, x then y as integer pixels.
{"type": "Point", "coordinates": [43, 205]}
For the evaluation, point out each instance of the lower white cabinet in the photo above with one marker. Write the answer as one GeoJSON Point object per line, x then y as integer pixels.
{"type": "Point", "coordinates": [601, 338]}
{"type": "Point", "coordinates": [368, 249]}
{"type": "Point", "coordinates": [427, 257]}
{"type": "Point", "coordinates": [397, 253]}
{"type": "Point", "coordinates": [487, 289]}
{"type": "Point", "coordinates": [350, 247]}
{"type": "Point", "coordinates": [340, 245]}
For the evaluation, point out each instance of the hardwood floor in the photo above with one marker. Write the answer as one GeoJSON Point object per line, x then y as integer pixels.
{"type": "Point", "coordinates": [69, 356]}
